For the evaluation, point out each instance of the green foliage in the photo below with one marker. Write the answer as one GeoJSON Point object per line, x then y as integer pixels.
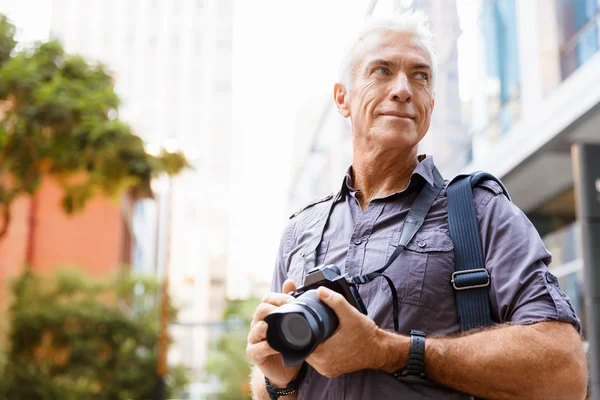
{"type": "Point", "coordinates": [74, 338]}
{"type": "Point", "coordinates": [227, 359]}
{"type": "Point", "coordinates": [59, 118]}
{"type": "Point", "coordinates": [7, 39]}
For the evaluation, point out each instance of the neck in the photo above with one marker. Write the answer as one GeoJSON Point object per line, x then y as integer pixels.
{"type": "Point", "coordinates": [380, 173]}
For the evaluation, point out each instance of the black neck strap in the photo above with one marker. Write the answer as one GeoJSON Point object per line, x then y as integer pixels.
{"type": "Point", "coordinates": [413, 221]}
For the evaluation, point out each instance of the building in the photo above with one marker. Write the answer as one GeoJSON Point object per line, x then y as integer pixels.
{"type": "Point", "coordinates": [172, 67]}
{"type": "Point", "coordinates": [322, 151]}
{"type": "Point", "coordinates": [532, 101]}
{"type": "Point", "coordinates": [97, 240]}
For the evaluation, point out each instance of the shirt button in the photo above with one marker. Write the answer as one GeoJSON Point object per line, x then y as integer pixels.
{"type": "Point", "coordinates": [357, 241]}
{"type": "Point", "coordinates": [422, 244]}
{"type": "Point", "coordinates": [550, 278]}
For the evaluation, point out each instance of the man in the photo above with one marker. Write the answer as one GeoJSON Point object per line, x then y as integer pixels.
{"type": "Point", "coordinates": [535, 350]}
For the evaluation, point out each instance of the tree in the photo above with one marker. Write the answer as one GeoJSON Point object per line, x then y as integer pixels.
{"type": "Point", "coordinates": [75, 338]}
{"type": "Point", "coordinates": [227, 360]}
{"type": "Point", "coordinates": [59, 118]}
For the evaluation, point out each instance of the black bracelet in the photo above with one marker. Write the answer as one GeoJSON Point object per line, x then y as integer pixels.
{"type": "Point", "coordinates": [415, 369]}
{"type": "Point", "coordinates": [292, 387]}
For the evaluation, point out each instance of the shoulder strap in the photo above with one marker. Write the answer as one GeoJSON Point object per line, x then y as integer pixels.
{"type": "Point", "coordinates": [470, 278]}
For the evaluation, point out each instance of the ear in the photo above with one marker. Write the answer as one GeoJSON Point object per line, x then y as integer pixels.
{"type": "Point", "coordinates": [340, 97]}
{"type": "Point", "coordinates": [432, 102]}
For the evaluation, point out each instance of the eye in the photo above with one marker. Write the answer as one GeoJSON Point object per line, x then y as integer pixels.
{"type": "Point", "coordinates": [422, 75]}
{"type": "Point", "coordinates": [382, 71]}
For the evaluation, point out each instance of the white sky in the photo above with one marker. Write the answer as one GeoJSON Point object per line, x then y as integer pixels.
{"type": "Point", "coordinates": [31, 25]}
{"type": "Point", "coordinates": [283, 55]}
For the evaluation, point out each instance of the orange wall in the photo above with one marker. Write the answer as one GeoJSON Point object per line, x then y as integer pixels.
{"type": "Point", "coordinates": [91, 239]}
{"type": "Point", "coordinates": [94, 240]}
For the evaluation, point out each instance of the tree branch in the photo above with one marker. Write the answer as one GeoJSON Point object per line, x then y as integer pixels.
{"type": "Point", "coordinates": [11, 194]}
{"type": "Point", "coordinates": [6, 218]}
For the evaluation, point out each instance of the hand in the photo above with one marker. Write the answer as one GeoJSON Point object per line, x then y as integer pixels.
{"type": "Point", "coordinates": [258, 350]}
{"type": "Point", "coordinates": [352, 347]}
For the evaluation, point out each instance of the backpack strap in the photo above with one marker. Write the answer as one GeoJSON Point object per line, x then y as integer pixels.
{"type": "Point", "coordinates": [470, 278]}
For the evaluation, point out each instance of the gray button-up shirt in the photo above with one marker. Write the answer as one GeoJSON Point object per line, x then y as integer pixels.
{"type": "Point", "coordinates": [522, 290]}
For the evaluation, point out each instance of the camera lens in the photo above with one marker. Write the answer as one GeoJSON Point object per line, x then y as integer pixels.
{"type": "Point", "coordinates": [295, 330]}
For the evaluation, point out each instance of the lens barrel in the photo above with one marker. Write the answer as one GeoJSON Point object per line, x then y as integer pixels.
{"type": "Point", "coordinates": [297, 328]}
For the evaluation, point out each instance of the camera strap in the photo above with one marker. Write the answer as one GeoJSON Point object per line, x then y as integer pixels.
{"type": "Point", "coordinates": [413, 221]}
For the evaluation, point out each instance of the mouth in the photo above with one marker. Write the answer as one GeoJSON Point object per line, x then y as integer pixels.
{"type": "Point", "coordinates": [398, 115]}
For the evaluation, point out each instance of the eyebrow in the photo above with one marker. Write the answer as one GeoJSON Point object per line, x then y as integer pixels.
{"type": "Point", "coordinates": [421, 66]}
{"type": "Point", "coordinates": [380, 61]}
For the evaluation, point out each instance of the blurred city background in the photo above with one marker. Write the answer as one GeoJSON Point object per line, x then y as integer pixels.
{"type": "Point", "coordinates": [232, 101]}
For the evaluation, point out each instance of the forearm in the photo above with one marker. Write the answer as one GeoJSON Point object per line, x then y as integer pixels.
{"type": "Point", "coordinates": [509, 362]}
{"type": "Point", "coordinates": [259, 390]}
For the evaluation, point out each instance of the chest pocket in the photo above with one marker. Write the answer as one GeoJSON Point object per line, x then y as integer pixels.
{"type": "Point", "coordinates": [297, 270]}
{"type": "Point", "coordinates": [423, 271]}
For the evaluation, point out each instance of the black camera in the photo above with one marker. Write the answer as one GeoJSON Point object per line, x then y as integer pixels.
{"type": "Point", "coordinates": [297, 328]}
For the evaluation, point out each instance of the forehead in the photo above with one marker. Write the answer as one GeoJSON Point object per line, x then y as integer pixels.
{"type": "Point", "coordinates": [396, 47]}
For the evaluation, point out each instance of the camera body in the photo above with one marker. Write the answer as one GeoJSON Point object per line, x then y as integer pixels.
{"type": "Point", "coordinates": [297, 328]}
{"type": "Point", "coordinates": [330, 277]}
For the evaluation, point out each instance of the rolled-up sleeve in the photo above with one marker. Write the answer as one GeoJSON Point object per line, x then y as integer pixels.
{"type": "Point", "coordinates": [280, 271]}
{"type": "Point", "coordinates": [523, 291]}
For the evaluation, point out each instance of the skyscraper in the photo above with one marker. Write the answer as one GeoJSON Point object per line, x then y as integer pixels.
{"type": "Point", "coordinates": [172, 66]}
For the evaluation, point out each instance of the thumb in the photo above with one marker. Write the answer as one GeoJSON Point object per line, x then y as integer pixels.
{"type": "Point", "coordinates": [288, 286]}
{"type": "Point", "coordinates": [336, 301]}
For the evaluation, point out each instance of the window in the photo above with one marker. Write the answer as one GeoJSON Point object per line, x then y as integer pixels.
{"type": "Point", "coordinates": [578, 30]}
{"type": "Point", "coordinates": [498, 26]}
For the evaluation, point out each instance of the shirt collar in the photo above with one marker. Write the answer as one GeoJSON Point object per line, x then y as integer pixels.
{"type": "Point", "coordinates": [424, 169]}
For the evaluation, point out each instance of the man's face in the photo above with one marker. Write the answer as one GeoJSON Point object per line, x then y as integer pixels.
{"type": "Point", "coordinates": [391, 97]}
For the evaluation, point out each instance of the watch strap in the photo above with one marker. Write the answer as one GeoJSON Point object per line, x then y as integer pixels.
{"type": "Point", "coordinates": [415, 368]}
{"type": "Point", "coordinates": [292, 387]}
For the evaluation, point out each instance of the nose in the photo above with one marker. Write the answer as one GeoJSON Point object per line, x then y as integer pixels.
{"type": "Point", "coordinates": [401, 90]}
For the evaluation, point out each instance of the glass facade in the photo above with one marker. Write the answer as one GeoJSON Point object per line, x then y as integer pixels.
{"type": "Point", "coordinates": [489, 73]}
{"type": "Point", "coordinates": [502, 82]}
{"type": "Point", "coordinates": [564, 244]}
{"type": "Point", "coordinates": [578, 32]}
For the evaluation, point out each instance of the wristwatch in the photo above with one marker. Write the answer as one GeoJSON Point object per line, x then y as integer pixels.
{"type": "Point", "coordinates": [292, 387]}
{"type": "Point", "coordinates": [415, 369]}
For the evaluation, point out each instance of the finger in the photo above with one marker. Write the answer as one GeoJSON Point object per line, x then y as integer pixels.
{"type": "Point", "coordinates": [337, 302]}
{"type": "Point", "coordinates": [277, 299]}
{"type": "Point", "coordinates": [288, 286]}
{"type": "Point", "coordinates": [258, 352]}
{"type": "Point", "coordinates": [258, 332]}
{"type": "Point", "coordinates": [261, 312]}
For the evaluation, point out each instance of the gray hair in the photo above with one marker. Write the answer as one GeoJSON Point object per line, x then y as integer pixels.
{"type": "Point", "coordinates": [414, 22]}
